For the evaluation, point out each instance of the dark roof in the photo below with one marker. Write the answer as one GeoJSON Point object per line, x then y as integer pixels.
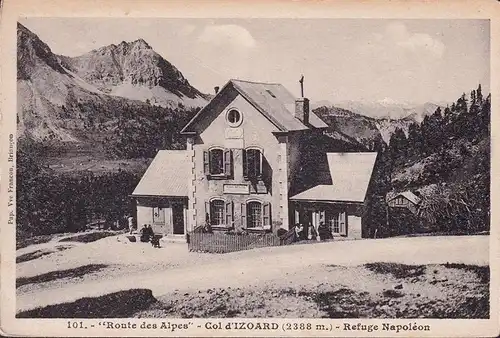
{"type": "Point", "coordinates": [273, 100]}
{"type": "Point", "coordinates": [167, 175]}
{"type": "Point", "coordinates": [350, 177]}
{"type": "Point", "coordinates": [408, 195]}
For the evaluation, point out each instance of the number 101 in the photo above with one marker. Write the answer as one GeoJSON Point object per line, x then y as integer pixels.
{"type": "Point", "coordinates": [75, 325]}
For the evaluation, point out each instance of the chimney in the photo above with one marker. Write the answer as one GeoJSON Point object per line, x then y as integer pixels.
{"type": "Point", "coordinates": [302, 105]}
{"type": "Point", "coordinates": [302, 109]}
{"type": "Point", "coordinates": [216, 89]}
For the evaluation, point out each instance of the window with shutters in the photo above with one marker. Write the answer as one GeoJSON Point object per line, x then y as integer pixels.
{"type": "Point", "coordinates": [217, 162]}
{"type": "Point", "coordinates": [217, 212]}
{"type": "Point", "coordinates": [256, 215]}
{"type": "Point", "coordinates": [252, 163]}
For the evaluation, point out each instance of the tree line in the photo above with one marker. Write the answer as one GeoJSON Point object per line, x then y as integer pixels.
{"type": "Point", "coordinates": [451, 149]}
{"type": "Point", "coordinates": [50, 202]}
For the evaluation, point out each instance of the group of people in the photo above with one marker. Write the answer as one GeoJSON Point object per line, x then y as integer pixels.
{"type": "Point", "coordinates": [148, 235]}
{"type": "Point", "coordinates": [310, 232]}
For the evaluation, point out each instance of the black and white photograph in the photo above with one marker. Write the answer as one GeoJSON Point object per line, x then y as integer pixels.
{"type": "Point", "coordinates": [272, 176]}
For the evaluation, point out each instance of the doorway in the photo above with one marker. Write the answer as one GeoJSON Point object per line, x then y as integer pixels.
{"type": "Point", "coordinates": [178, 218]}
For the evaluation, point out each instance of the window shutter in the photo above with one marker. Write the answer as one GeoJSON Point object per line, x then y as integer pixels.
{"type": "Point", "coordinates": [251, 163]}
{"type": "Point", "coordinates": [342, 224]}
{"type": "Point", "coordinates": [206, 162]}
{"type": "Point", "coordinates": [266, 212]}
{"type": "Point", "coordinates": [243, 215]}
{"type": "Point", "coordinates": [261, 168]}
{"type": "Point", "coordinates": [245, 164]}
{"type": "Point", "coordinates": [229, 213]}
{"type": "Point", "coordinates": [207, 212]}
{"type": "Point", "coordinates": [227, 162]}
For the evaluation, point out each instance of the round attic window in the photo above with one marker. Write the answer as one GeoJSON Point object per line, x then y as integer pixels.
{"type": "Point", "coordinates": [233, 118]}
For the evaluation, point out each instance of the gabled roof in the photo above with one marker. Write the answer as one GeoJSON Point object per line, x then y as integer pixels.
{"type": "Point", "coordinates": [351, 174]}
{"type": "Point", "coordinates": [408, 195]}
{"type": "Point", "coordinates": [273, 100]}
{"type": "Point", "coordinates": [167, 175]}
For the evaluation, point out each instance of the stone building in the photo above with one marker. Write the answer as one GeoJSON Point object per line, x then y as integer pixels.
{"type": "Point", "coordinates": [255, 161]}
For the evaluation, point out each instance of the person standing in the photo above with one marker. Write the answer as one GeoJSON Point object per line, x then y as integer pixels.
{"type": "Point", "coordinates": [299, 231]}
{"type": "Point", "coordinates": [130, 220]}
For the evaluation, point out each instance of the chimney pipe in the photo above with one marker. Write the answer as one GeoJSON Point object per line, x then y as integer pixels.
{"type": "Point", "coordinates": [301, 81]}
{"type": "Point", "coordinates": [302, 105]}
{"type": "Point", "coordinates": [216, 89]}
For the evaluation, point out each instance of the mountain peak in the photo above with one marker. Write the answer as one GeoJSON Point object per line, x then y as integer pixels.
{"type": "Point", "coordinates": [134, 70]}
{"type": "Point", "coordinates": [141, 42]}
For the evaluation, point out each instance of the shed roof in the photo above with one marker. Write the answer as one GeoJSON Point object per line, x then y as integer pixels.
{"type": "Point", "coordinates": [271, 99]}
{"type": "Point", "coordinates": [350, 174]}
{"type": "Point", "coordinates": [409, 196]}
{"type": "Point", "coordinates": [167, 175]}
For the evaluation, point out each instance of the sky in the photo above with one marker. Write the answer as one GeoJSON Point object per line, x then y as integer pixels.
{"type": "Point", "coordinates": [385, 60]}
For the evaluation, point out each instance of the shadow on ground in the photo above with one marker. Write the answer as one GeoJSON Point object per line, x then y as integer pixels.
{"type": "Point", "coordinates": [54, 275]}
{"type": "Point", "coordinates": [90, 237]}
{"type": "Point", "coordinates": [122, 304]}
{"type": "Point", "coordinates": [40, 253]}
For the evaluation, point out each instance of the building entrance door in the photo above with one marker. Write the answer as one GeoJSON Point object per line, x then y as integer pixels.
{"type": "Point", "coordinates": [178, 218]}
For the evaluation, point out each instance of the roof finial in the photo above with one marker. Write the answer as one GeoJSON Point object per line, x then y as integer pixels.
{"type": "Point", "coordinates": [301, 86]}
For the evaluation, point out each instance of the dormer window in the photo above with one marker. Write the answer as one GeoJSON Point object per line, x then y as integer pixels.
{"type": "Point", "coordinates": [217, 162]}
{"type": "Point", "coordinates": [233, 118]}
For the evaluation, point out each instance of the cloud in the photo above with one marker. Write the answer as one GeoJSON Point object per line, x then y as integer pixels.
{"type": "Point", "coordinates": [227, 34]}
{"type": "Point", "coordinates": [398, 34]}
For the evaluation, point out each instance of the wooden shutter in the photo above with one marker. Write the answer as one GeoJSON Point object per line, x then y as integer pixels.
{"type": "Point", "coordinates": [343, 223]}
{"type": "Point", "coordinates": [227, 162]}
{"type": "Point", "coordinates": [206, 162]}
{"type": "Point", "coordinates": [243, 215]}
{"type": "Point", "coordinates": [262, 167]}
{"type": "Point", "coordinates": [229, 213]}
{"type": "Point", "coordinates": [207, 211]}
{"type": "Point", "coordinates": [266, 214]}
{"type": "Point", "coordinates": [245, 164]}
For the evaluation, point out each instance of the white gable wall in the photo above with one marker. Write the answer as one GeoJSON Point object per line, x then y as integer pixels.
{"type": "Point", "coordinates": [256, 131]}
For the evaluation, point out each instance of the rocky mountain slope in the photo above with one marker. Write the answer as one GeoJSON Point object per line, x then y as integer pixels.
{"type": "Point", "coordinates": [78, 100]}
{"type": "Point", "coordinates": [45, 89]}
{"type": "Point", "coordinates": [362, 129]}
{"type": "Point", "coordinates": [367, 130]}
{"type": "Point", "coordinates": [387, 109]}
{"type": "Point", "coordinates": [387, 126]}
{"type": "Point", "coordinates": [135, 71]}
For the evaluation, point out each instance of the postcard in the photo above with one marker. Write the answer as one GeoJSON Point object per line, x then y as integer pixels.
{"type": "Point", "coordinates": [249, 168]}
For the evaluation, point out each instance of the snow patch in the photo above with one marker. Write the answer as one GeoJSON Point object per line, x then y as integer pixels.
{"type": "Point", "coordinates": [156, 95]}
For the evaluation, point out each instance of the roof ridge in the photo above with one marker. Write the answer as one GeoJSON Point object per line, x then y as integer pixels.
{"type": "Point", "coordinates": [256, 82]}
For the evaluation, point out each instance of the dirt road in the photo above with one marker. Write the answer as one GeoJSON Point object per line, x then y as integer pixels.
{"type": "Point", "coordinates": [174, 269]}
